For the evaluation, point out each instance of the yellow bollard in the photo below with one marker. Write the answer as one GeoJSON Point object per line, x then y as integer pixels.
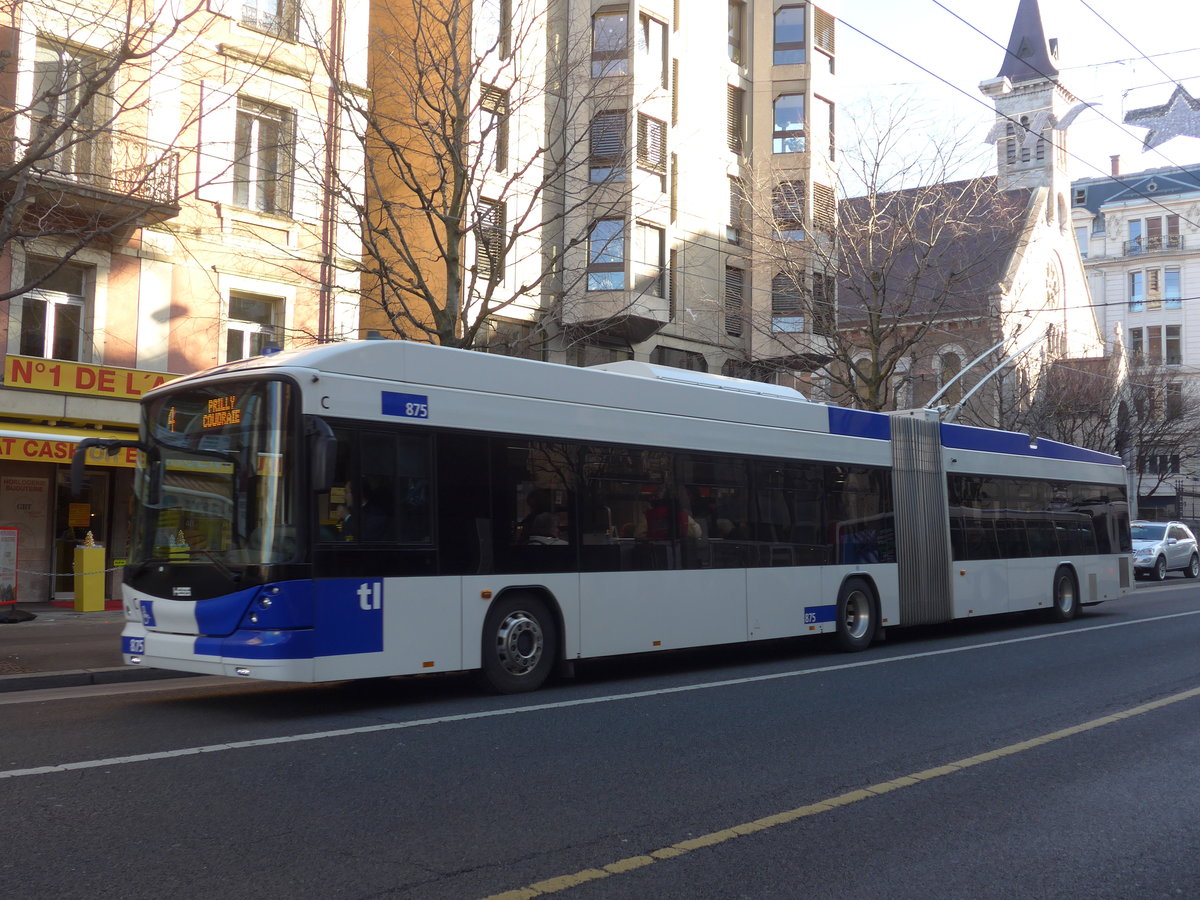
{"type": "Point", "coordinates": [89, 579]}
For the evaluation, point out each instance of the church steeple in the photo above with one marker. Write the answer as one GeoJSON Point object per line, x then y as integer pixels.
{"type": "Point", "coordinates": [1029, 56]}
{"type": "Point", "coordinates": [1032, 106]}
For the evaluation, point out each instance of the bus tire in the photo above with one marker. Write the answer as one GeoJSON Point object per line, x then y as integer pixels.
{"type": "Point", "coordinates": [520, 644]}
{"type": "Point", "coordinates": [1193, 569]}
{"type": "Point", "coordinates": [1065, 605]}
{"type": "Point", "coordinates": [857, 616]}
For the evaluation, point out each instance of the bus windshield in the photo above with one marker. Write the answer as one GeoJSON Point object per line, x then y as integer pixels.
{"type": "Point", "coordinates": [216, 483]}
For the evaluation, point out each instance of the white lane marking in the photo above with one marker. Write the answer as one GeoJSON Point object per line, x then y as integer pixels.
{"type": "Point", "coordinates": [563, 704]}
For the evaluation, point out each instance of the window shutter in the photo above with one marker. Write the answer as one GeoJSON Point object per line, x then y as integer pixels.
{"type": "Point", "coordinates": [786, 297]}
{"type": "Point", "coordinates": [652, 144]}
{"type": "Point", "coordinates": [824, 208]}
{"type": "Point", "coordinates": [608, 136]}
{"type": "Point", "coordinates": [787, 202]}
{"type": "Point", "coordinates": [218, 124]}
{"type": "Point", "coordinates": [351, 175]}
{"type": "Point", "coordinates": [825, 35]}
{"type": "Point", "coordinates": [308, 173]}
{"type": "Point", "coordinates": [675, 91]}
{"type": "Point", "coordinates": [734, 282]}
{"type": "Point", "coordinates": [355, 35]}
{"type": "Point", "coordinates": [494, 103]}
{"type": "Point", "coordinates": [489, 240]}
{"type": "Point", "coordinates": [734, 98]}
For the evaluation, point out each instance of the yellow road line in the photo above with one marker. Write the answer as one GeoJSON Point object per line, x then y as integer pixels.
{"type": "Point", "coordinates": [564, 882]}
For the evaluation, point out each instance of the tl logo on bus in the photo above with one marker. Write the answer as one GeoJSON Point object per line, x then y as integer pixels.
{"type": "Point", "coordinates": [370, 595]}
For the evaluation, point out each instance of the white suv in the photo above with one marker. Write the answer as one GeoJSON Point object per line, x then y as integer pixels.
{"type": "Point", "coordinates": [1159, 547]}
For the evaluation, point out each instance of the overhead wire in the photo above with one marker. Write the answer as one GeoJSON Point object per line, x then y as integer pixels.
{"type": "Point", "coordinates": [1015, 122]}
{"type": "Point", "coordinates": [1189, 173]}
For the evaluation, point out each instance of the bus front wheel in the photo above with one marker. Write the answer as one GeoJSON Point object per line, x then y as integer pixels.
{"type": "Point", "coordinates": [1066, 597]}
{"type": "Point", "coordinates": [857, 621]}
{"type": "Point", "coordinates": [520, 644]}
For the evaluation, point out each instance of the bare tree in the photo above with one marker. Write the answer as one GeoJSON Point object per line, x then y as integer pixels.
{"type": "Point", "coordinates": [485, 139]}
{"type": "Point", "coordinates": [77, 165]}
{"type": "Point", "coordinates": [916, 257]}
{"type": "Point", "coordinates": [1150, 417]}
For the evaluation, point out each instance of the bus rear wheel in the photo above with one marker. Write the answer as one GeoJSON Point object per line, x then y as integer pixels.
{"type": "Point", "coordinates": [857, 620]}
{"type": "Point", "coordinates": [520, 644]}
{"type": "Point", "coordinates": [1066, 596]}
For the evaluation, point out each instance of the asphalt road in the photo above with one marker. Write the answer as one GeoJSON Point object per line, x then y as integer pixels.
{"type": "Point", "coordinates": [1004, 757]}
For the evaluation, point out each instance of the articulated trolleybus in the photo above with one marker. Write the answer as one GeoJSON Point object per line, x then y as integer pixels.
{"type": "Point", "coordinates": [383, 508]}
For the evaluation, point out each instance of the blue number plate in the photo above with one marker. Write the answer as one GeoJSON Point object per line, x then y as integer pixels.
{"type": "Point", "coordinates": [407, 406]}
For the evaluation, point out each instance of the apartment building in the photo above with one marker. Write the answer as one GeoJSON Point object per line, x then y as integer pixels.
{"type": "Point", "coordinates": [168, 205]}
{"type": "Point", "coordinates": [639, 177]}
{"type": "Point", "coordinates": [1139, 235]}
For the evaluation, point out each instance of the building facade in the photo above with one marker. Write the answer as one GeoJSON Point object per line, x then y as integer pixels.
{"type": "Point", "coordinates": [166, 209]}
{"type": "Point", "coordinates": [1139, 237]}
{"type": "Point", "coordinates": [651, 152]}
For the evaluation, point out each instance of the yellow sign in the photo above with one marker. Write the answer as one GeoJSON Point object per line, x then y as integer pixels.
{"type": "Point", "coordinates": [79, 515]}
{"type": "Point", "coordinates": [47, 449]}
{"type": "Point", "coordinates": [80, 378]}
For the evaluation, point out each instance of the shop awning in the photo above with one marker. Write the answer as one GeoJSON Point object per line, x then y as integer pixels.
{"type": "Point", "coordinates": [56, 444]}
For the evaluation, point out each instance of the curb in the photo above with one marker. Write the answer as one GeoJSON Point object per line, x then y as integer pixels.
{"type": "Point", "coordinates": [34, 681]}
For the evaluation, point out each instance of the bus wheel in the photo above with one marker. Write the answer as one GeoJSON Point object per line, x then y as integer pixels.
{"type": "Point", "coordinates": [856, 619]}
{"type": "Point", "coordinates": [1066, 597]}
{"type": "Point", "coordinates": [520, 644]}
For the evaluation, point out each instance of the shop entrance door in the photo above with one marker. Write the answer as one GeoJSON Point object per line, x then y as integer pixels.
{"type": "Point", "coordinates": [74, 517]}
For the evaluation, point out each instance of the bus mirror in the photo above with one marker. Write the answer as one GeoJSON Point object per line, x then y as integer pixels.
{"type": "Point", "coordinates": [322, 453]}
{"type": "Point", "coordinates": [109, 445]}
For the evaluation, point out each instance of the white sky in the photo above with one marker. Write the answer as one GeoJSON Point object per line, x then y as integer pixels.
{"type": "Point", "coordinates": [1096, 64]}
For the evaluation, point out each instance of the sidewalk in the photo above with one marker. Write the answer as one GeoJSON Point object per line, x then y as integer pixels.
{"type": "Point", "coordinates": [64, 648]}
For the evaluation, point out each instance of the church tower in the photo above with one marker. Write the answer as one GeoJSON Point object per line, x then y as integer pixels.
{"type": "Point", "coordinates": [1032, 110]}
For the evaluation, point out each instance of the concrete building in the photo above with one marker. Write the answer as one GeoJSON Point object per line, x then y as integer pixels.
{"type": "Point", "coordinates": [651, 150]}
{"type": "Point", "coordinates": [1139, 235]}
{"type": "Point", "coordinates": [165, 209]}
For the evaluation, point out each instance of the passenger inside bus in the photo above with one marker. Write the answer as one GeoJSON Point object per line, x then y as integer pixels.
{"type": "Point", "coordinates": [539, 527]}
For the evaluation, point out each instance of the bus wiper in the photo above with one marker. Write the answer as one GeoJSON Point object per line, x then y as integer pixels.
{"type": "Point", "coordinates": [222, 566]}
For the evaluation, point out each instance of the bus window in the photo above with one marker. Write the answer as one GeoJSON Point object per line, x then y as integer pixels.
{"type": "Point", "coordinates": [535, 493]}
{"type": "Point", "coordinates": [714, 498]}
{"type": "Point", "coordinates": [380, 490]}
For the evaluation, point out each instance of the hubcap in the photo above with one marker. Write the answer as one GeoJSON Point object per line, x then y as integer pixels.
{"type": "Point", "coordinates": [1066, 595]}
{"type": "Point", "coordinates": [519, 643]}
{"type": "Point", "coordinates": [858, 615]}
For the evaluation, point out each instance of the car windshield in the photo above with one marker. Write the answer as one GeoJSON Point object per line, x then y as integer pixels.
{"type": "Point", "coordinates": [1144, 531]}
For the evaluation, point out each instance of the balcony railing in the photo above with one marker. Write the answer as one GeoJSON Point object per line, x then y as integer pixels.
{"type": "Point", "coordinates": [115, 176]}
{"type": "Point", "coordinates": [1161, 244]}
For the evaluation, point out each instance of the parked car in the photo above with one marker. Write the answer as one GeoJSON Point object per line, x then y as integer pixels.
{"type": "Point", "coordinates": [1160, 547]}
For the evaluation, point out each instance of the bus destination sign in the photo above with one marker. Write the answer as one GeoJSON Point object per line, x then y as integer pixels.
{"type": "Point", "coordinates": [222, 411]}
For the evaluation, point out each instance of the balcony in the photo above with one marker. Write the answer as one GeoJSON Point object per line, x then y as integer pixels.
{"type": "Point", "coordinates": [103, 180]}
{"type": "Point", "coordinates": [1163, 244]}
{"type": "Point", "coordinates": [620, 315]}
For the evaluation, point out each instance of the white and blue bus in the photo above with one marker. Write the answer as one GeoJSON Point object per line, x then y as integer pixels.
{"type": "Point", "coordinates": [381, 508]}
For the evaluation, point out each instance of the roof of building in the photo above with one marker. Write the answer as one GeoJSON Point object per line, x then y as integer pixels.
{"type": "Point", "coordinates": [1029, 55]}
{"type": "Point", "coordinates": [940, 250]}
{"type": "Point", "coordinates": [1149, 185]}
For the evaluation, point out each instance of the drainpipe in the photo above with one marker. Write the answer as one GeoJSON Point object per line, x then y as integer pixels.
{"type": "Point", "coordinates": [329, 181]}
